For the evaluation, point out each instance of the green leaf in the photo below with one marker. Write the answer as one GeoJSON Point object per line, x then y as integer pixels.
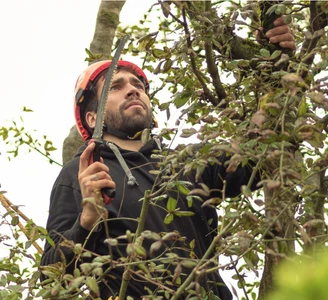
{"type": "Point", "coordinates": [150, 43]}
{"type": "Point", "coordinates": [25, 109]}
{"type": "Point", "coordinates": [56, 289]}
{"type": "Point", "coordinates": [168, 219]}
{"type": "Point", "coordinates": [288, 19]}
{"type": "Point", "coordinates": [271, 10]}
{"type": "Point", "coordinates": [159, 53]}
{"type": "Point", "coordinates": [76, 283]}
{"type": "Point", "coordinates": [275, 54]}
{"type": "Point", "coordinates": [171, 204]}
{"type": "Point", "coordinates": [181, 213]}
{"type": "Point", "coordinates": [139, 250]}
{"type": "Point", "coordinates": [189, 200]}
{"type": "Point", "coordinates": [4, 133]}
{"type": "Point", "coordinates": [86, 268]}
{"type": "Point", "coordinates": [189, 263]}
{"type": "Point", "coordinates": [265, 52]}
{"type": "Point", "coordinates": [92, 284]}
{"type": "Point", "coordinates": [3, 280]}
{"type": "Point", "coordinates": [182, 98]}
{"type": "Point", "coordinates": [144, 269]}
{"type": "Point", "coordinates": [246, 191]}
{"type": "Point", "coordinates": [280, 9]}
{"type": "Point", "coordinates": [200, 170]}
{"type": "Point", "coordinates": [14, 221]}
{"type": "Point", "coordinates": [155, 172]}
{"type": "Point", "coordinates": [98, 271]}
{"type": "Point", "coordinates": [164, 106]}
{"type": "Point", "coordinates": [167, 65]}
{"type": "Point", "coordinates": [182, 188]}
{"type": "Point", "coordinates": [186, 133]}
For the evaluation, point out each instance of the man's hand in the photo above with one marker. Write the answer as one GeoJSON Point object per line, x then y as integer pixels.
{"type": "Point", "coordinates": [281, 34]}
{"type": "Point", "coordinates": [93, 178]}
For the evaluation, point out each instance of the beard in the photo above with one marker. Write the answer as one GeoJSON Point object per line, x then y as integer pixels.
{"type": "Point", "coordinates": [129, 124]}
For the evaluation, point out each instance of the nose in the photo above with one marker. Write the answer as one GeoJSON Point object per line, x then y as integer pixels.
{"type": "Point", "coordinates": [132, 91]}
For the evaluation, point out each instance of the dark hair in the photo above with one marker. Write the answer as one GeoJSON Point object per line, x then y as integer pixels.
{"type": "Point", "coordinates": [91, 98]}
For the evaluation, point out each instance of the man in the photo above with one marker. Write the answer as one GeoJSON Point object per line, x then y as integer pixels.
{"type": "Point", "coordinates": [77, 212]}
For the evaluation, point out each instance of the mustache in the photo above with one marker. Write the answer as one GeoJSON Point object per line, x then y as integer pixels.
{"type": "Point", "coordinates": [132, 101]}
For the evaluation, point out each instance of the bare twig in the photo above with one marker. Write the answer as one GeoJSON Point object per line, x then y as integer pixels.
{"type": "Point", "coordinates": [14, 210]}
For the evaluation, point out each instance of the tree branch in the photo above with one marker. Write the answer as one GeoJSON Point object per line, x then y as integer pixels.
{"type": "Point", "coordinates": [106, 25]}
{"type": "Point", "coordinates": [312, 39]}
{"type": "Point", "coordinates": [14, 210]}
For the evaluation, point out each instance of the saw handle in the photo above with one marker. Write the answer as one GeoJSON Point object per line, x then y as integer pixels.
{"type": "Point", "coordinates": [107, 193]}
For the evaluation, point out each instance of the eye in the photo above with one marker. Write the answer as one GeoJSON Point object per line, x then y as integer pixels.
{"type": "Point", "coordinates": [140, 86]}
{"type": "Point", "coordinates": [114, 87]}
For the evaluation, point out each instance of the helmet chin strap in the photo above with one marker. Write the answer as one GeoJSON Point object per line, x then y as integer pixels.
{"type": "Point", "coordinates": [122, 135]}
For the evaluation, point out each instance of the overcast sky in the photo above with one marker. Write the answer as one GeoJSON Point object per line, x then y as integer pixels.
{"type": "Point", "coordinates": [42, 53]}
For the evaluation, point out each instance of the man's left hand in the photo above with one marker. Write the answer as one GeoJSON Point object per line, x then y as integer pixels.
{"type": "Point", "coordinates": [281, 34]}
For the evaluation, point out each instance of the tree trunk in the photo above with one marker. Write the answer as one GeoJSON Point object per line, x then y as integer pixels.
{"type": "Point", "coordinates": [107, 22]}
{"type": "Point", "coordinates": [279, 212]}
{"type": "Point", "coordinates": [100, 48]}
{"type": "Point", "coordinates": [71, 144]}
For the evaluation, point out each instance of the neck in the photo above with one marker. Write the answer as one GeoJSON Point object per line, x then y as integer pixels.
{"type": "Point", "coordinates": [132, 145]}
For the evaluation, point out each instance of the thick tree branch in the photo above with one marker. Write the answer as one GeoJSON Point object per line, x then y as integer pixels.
{"type": "Point", "coordinates": [207, 93]}
{"type": "Point", "coordinates": [106, 24]}
{"type": "Point", "coordinates": [311, 41]}
{"type": "Point", "coordinates": [101, 49]}
{"type": "Point", "coordinates": [212, 68]}
{"type": "Point", "coordinates": [14, 211]}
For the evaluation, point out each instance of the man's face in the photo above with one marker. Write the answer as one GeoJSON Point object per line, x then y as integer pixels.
{"type": "Point", "coordinates": [128, 106]}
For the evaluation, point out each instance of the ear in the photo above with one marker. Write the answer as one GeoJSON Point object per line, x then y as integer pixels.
{"type": "Point", "coordinates": [90, 118]}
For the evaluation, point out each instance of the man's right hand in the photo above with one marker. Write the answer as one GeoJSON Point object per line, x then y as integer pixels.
{"type": "Point", "coordinates": [93, 178]}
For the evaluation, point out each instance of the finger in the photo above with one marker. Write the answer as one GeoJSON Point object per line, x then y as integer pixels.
{"type": "Point", "coordinates": [278, 31]}
{"type": "Point", "coordinates": [287, 37]}
{"type": "Point", "coordinates": [280, 21]}
{"type": "Point", "coordinates": [94, 177]}
{"type": "Point", "coordinates": [96, 187]}
{"type": "Point", "coordinates": [92, 185]}
{"type": "Point", "coordinates": [283, 20]}
{"type": "Point", "coordinates": [106, 183]}
{"type": "Point", "coordinates": [259, 33]}
{"type": "Point", "coordinates": [100, 175]}
{"type": "Point", "coordinates": [288, 45]}
{"type": "Point", "coordinates": [85, 156]}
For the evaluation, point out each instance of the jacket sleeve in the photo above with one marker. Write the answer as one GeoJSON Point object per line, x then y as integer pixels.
{"type": "Point", "coordinates": [63, 220]}
{"type": "Point", "coordinates": [216, 174]}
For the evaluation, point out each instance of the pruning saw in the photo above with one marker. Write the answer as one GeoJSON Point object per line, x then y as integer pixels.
{"type": "Point", "coordinates": [107, 193]}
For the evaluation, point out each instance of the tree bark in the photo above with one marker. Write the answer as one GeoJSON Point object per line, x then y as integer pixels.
{"type": "Point", "coordinates": [106, 24]}
{"type": "Point", "coordinates": [279, 211]}
{"type": "Point", "coordinates": [71, 144]}
{"type": "Point", "coordinates": [100, 48]}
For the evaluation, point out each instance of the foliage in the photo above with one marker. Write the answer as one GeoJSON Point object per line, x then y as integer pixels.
{"type": "Point", "coordinates": [19, 276]}
{"type": "Point", "coordinates": [254, 102]}
{"type": "Point", "coordinates": [302, 278]}
{"type": "Point", "coordinates": [16, 137]}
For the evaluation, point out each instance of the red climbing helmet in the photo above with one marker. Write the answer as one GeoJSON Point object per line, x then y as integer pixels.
{"type": "Point", "coordinates": [86, 81]}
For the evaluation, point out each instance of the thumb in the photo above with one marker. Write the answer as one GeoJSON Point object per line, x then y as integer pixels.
{"type": "Point", "coordinates": [259, 34]}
